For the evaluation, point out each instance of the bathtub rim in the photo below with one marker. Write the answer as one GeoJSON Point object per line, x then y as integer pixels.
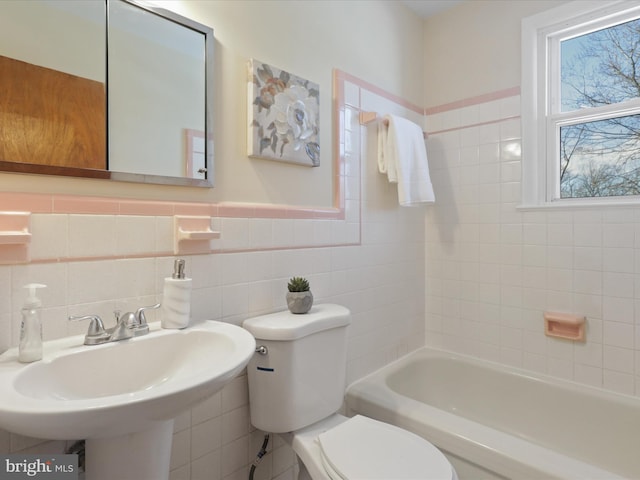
{"type": "Point", "coordinates": [508, 455]}
{"type": "Point", "coordinates": [397, 364]}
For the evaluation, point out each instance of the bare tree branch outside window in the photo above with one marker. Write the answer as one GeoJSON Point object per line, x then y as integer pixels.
{"type": "Point", "coordinates": [601, 158]}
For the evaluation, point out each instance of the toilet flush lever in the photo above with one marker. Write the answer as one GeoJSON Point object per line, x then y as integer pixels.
{"type": "Point", "coordinates": [262, 350]}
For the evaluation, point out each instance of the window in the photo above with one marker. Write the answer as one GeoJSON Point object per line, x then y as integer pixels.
{"type": "Point", "coordinates": [581, 104]}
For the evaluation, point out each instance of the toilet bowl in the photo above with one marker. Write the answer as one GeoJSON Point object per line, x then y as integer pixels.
{"type": "Point", "coordinates": [296, 386]}
{"type": "Point", "coordinates": [360, 448]}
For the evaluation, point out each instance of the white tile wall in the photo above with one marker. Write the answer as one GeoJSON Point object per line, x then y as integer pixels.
{"type": "Point", "coordinates": [381, 280]}
{"type": "Point", "coordinates": [492, 269]}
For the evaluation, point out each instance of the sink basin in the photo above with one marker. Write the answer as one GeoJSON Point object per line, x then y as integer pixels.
{"type": "Point", "coordinates": [148, 366]}
{"type": "Point", "coordinates": [112, 390]}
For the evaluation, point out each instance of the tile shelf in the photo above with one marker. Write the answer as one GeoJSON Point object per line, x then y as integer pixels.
{"type": "Point", "coordinates": [8, 237]}
{"type": "Point", "coordinates": [203, 235]}
{"type": "Point", "coordinates": [193, 234]}
{"type": "Point", "coordinates": [15, 237]}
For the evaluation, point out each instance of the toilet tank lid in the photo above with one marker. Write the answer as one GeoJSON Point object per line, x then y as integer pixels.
{"type": "Point", "coordinates": [285, 325]}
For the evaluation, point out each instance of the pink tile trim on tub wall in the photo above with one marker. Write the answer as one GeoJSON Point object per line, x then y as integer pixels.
{"type": "Point", "coordinates": [467, 102]}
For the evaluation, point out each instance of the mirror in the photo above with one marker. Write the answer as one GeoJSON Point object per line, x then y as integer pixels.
{"type": "Point", "coordinates": [134, 107]}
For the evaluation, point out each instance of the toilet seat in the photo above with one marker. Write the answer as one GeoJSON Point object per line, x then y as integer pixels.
{"type": "Point", "coordinates": [363, 448]}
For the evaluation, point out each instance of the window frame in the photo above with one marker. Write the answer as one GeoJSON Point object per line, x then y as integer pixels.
{"type": "Point", "coordinates": [541, 120]}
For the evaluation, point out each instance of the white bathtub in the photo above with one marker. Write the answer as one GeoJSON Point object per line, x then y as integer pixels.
{"type": "Point", "coordinates": [493, 421]}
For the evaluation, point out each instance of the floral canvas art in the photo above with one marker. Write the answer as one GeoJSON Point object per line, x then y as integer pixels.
{"type": "Point", "coordinates": [284, 116]}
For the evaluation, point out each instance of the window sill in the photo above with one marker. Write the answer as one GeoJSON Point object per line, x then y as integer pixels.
{"type": "Point", "coordinates": [581, 204]}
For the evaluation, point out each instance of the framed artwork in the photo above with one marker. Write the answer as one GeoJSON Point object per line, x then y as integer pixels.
{"type": "Point", "coordinates": [284, 116]}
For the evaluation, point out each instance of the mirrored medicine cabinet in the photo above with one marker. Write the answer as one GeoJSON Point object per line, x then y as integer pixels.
{"type": "Point", "coordinates": [113, 89]}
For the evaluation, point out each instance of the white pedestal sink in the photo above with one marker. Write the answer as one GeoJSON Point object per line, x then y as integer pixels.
{"type": "Point", "coordinates": [121, 397]}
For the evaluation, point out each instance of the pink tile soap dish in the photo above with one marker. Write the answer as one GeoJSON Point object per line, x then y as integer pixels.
{"type": "Point", "coordinates": [564, 325]}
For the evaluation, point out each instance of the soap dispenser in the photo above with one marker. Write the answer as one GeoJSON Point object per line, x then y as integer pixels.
{"type": "Point", "coordinates": [176, 298]}
{"type": "Point", "coordinates": [30, 347]}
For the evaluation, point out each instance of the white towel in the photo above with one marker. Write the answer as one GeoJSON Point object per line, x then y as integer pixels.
{"type": "Point", "coordinates": [402, 155]}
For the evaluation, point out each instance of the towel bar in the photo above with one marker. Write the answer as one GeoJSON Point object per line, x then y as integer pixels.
{"type": "Point", "coordinates": [370, 117]}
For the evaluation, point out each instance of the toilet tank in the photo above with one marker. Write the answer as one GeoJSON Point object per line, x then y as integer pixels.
{"type": "Point", "coordinates": [301, 377]}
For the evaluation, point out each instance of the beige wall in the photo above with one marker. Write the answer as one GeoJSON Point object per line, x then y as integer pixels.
{"type": "Point", "coordinates": [380, 41]}
{"type": "Point", "coordinates": [474, 48]}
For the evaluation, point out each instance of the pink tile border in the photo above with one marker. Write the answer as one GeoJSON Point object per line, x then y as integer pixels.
{"type": "Point", "coordinates": [379, 91]}
{"type": "Point", "coordinates": [26, 202]}
{"type": "Point", "coordinates": [188, 208]}
{"type": "Point", "coordinates": [139, 207]}
{"type": "Point", "coordinates": [76, 204]}
{"type": "Point", "coordinates": [467, 102]}
{"type": "Point", "coordinates": [72, 204]}
{"type": "Point", "coordinates": [479, 124]}
{"type": "Point", "coordinates": [80, 204]}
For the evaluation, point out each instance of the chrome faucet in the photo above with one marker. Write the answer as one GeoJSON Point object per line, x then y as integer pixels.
{"type": "Point", "coordinates": [127, 325]}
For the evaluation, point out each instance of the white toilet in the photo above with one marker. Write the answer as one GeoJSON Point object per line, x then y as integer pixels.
{"type": "Point", "coordinates": [296, 386]}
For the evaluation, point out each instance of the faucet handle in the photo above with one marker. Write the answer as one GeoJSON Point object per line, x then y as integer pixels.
{"type": "Point", "coordinates": [96, 332]}
{"type": "Point", "coordinates": [128, 319]}
{"type": "Point", "coordinates": [139, 321]}
{"type": "Point", "coordinates": [142, 320]}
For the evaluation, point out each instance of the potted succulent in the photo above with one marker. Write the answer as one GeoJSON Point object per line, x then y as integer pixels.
{"type": "Point", "coordinates": [299, 297]}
